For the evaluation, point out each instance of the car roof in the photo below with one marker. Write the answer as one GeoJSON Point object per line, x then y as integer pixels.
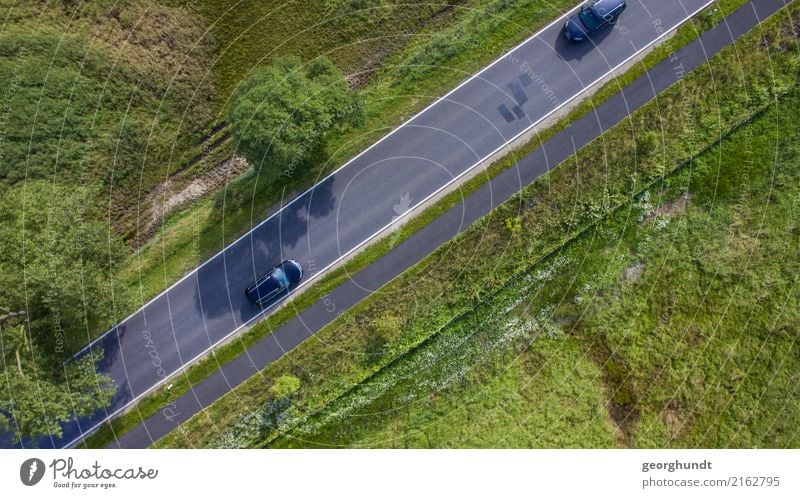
{"type": "Point", "coordinates": [267, 280]}
{"type": "Point", "coordinates": [269, 284]}
{"type": "Point", "coordinates": [604, 7]}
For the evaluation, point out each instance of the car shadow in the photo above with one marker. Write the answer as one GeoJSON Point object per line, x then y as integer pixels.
{"type": "Point", "coordinates": [294, 218]}
{"type": "Point", "coordinates": [110, 347]}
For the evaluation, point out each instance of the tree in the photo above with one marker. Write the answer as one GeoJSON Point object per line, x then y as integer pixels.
{"type": "Point", "coordinates": [56, 263]}
{"type": "Point", "coordinates": [34, 402]}
{"type": "Point", "coordinates": [281, 113]}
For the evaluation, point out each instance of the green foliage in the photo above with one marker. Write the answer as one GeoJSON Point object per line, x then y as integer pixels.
{"type": "Point", "coordinates": [109, 94]}
{"type": "Point", "coordinates": [37, 396]}
{"type": "Point", "coordinates": [514, 225]}
{"type": "Point", "coordinates": [384, 328]}
{"type": "Point", "coordinates": [647, 143]}
{"type": "Point", "coordinates": [100, 100]}
{"type": "Point", "coordinates": [700, 352]}
{"type": "Point", "coordinates": [353, 33]}
{"type": "Point", "coordinates": [57, 262]}
{"type": "Point", "coordinates": [388, 325]}
{"type": "Point", "coordinates": [284, 386]}
{"type": "Point", "coordinates": [282, 113]}
{"type": "Point", "coordinates": [263, 421]}
{"type": "Point", "coordinates": [440, 288]}
{"type": "Point", "coordinates": [273, 414]}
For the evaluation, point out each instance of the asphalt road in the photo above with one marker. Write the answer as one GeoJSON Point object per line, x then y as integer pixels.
{"type": "Point", "coordinates": [348, 208]}
{"type": "Point", "coordinates": [478, 204]}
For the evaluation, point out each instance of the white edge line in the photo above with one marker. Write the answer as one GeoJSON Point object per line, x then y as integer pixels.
{"type": "Point", "coordinates": [365, 241]}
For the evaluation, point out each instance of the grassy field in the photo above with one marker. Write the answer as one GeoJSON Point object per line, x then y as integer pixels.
{"type": "Point", "coordinates": [571, 198]}
{"type": "Point", "coordinates": [355, 35]}
{"type": "Point", "coordinates": [112, 95]}
{"type": "Point", "coordinates": [684, 305]}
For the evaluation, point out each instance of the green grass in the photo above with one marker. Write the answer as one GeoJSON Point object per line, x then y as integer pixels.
{"type": "Point", "coordinates": [543, 398]}
{"type": "Point", "coordinates": [552, 211]}
{"type": "Point", "coordinates": [86, 85]}
{"type": "Point", "coordinates": [688, 317]}
{"type": "Point", "coordinates": [355, 35]}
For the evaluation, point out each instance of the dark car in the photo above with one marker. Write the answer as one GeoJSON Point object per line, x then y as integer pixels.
{"type": "Point", "coordinates": [592, 17]}
{"type": "Point", "coordinates": [277, 280]}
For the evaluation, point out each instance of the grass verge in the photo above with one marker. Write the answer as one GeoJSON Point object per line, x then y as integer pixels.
{"type": "Point", "coordinates": [684, 304]}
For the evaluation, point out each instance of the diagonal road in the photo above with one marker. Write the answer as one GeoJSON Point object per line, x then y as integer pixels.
{"type": "Point", "coordinates": [478, 204]}
{"type": "Point", "coordinates": [496, 191]}
{"type": "Point", "coordinates": [358, 201]}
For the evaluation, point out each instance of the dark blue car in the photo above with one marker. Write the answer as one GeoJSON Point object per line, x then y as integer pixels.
{"type": "Point", "coordinates": [593, 17]}
{"type": "Point", "coordinates": [279, 278]}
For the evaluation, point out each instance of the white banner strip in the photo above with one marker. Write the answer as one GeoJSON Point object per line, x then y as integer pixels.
{"type": "Point", "coordinates": [400, 473]}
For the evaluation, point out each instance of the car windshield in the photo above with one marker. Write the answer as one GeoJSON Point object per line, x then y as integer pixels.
{"type": "Point", "coordinates": [588, 18]}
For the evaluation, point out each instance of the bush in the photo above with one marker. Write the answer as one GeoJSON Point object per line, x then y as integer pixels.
{"type": "Point", "coordinates": [282, 113]}
{"type": "Point", "coordinates": [285, 386]}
